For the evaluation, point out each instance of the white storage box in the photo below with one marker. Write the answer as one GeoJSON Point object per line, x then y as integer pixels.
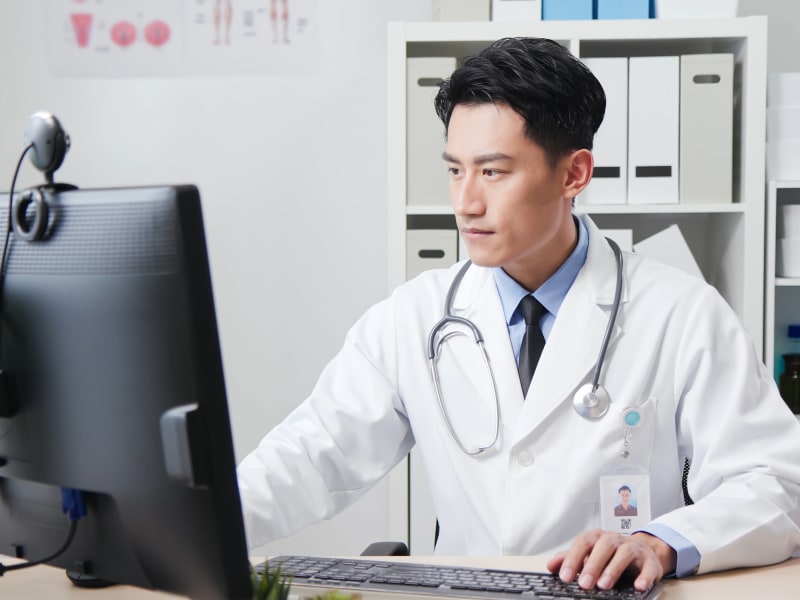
{"type": "Point", "coordinates": [696, 9]}
{"type": "Point", "coordinates": [783, 123]}
{"type": "Point", "coordinates": [790, 220]}
{"type": "Point", "coordinates": [430, 249]}
{"type": "Point", "coordinates": [609, 184]}
{"type": "Point", "coordinates": [670, 247]}
{"type": "Point", "coordinates": [653, 125]}
{"type": "Point", "coordinates": [783, 160]}
{"type": "Point", "coordinates": [427, 179]}
{"type": "Point", "coordinates": [706, 129]}
{"type": "Point", "coordinates": [520, 11]}
{"type": "Point", "coordinates": [789, 257]}
{"type": "Point", "coordinates": [783, 89]}
{"type": "Point", "coordinates": [461, 10]}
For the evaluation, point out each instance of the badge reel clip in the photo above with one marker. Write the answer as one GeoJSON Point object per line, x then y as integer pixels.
{"type": "Point", "coordinates": [622, 478]}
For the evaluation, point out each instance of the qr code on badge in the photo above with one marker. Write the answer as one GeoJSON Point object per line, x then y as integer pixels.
{"type": "Point", "coordinates": [624, 523]}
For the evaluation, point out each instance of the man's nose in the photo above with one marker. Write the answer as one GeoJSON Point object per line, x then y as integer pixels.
{"type": "Point", "coordinates": [467, 196]}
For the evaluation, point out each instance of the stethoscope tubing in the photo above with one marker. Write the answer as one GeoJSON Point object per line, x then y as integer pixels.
{"type": "Point", "coordinates": [596, 392]}
{"type": "Point", "coordinates": [601, 357]}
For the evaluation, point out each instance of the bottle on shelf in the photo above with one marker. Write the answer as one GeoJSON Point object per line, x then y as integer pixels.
{"type": "Point", "coordinates": [789, 381]}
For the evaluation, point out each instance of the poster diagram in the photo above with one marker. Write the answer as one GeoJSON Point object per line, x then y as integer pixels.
{"type": "Point", "coordinates": [134, 38]}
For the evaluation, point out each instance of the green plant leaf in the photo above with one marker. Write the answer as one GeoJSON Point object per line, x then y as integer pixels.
{"type": "Point", "coordinates": [270, 584]}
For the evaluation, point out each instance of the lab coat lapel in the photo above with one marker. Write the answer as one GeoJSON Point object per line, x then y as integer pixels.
{"type": "Point", "coordinates": [478, 300]}
{"type": "Point", "coordinates": [571, 351]}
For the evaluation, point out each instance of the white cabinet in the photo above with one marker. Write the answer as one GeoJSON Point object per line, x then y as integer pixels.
{"type": "Point", "coordinates": [782, 298]}
{"type": "Point", "coordinates": [726, 239]}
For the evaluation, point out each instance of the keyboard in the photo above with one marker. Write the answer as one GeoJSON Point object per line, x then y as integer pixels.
{"type": "Point", "coordinates": [377, 579]}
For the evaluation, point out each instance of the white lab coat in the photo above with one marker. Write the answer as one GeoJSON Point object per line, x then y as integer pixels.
{"type": "Point", "coordinates": [678, 351]}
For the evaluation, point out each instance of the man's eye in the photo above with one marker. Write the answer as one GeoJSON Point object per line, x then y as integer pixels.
{"type": "Point", "coordinates": [490, 172]}
{"type": "Point", "coordinates": [453, 170]}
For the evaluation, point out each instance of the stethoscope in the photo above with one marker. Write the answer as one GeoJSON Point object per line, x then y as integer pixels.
{"type": "Point", "coordinates": [591, 401]}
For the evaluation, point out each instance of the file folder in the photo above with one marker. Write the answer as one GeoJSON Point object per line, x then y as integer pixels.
{"type": "Point", "coordinates": [670, 247]}
{"type": "Point", "coordinates": [430, 249]}
{"type": "Point", "coordinates": [653, 126]}
{"type": "Point", "coordinates": [567, 10]}
{"type": "Point", "coordinates": [461, 10]}
{"type": "Point", "coordinates": [609, 182]}
{"type": "Point", "coordinates": [706, 130]}
{"type": "Point", "coordinates": [517, 10]}
{"type": "Point", "coordinates": [427, 179]}
{"type": "Point", "coordinates": [623, 9]}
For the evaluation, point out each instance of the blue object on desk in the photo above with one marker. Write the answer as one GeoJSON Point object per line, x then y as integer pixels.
{"type": "Point", "coordinates": [567, 10]}
{"type": "Point", "coordinates": [625, 9]}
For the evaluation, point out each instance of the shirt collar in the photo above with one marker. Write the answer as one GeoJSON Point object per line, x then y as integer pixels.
{"type": "Point", "coordinates": [553, 291]}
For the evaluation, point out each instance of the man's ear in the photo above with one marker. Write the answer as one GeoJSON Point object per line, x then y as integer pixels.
{"type": "Point", "coordinates": [579, 166]}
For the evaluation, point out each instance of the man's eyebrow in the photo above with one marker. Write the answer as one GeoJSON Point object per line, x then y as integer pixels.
{"type": "Point", "coordinates": [478, 160]}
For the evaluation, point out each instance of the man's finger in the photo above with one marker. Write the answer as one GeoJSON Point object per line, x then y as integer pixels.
{"type": "Point", "coordinates": [572, 561]}
{"type": "Point", "coordinates": [604, 554]}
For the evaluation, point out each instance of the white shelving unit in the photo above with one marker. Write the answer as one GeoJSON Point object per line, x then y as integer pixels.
{"type": "Point", "coordinates": [782, 298]}
{"type": "Point", "coordinates": [727, 240]}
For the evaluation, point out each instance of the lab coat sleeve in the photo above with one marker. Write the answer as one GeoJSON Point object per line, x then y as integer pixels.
{"type": "Point", "coordinates": [743, 442]}
{"type": "Point", "coordinates": [331, 449]}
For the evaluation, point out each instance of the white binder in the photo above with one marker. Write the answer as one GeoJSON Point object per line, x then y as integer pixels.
{"type": "Point", "coordinates": [520, 11]}
{"type": "Point", "coordinates": [461, 10]}
{"type": "Point", "coordinates": [706, 136]}
{"type": "Point", "coordinates": [430, 249]}
{"type": "Point", "coordinates": [609, 182]}
{"type": "Point", "coordinates": [427, 179]}
{"type": "Point", "coordinates": [653, 126]}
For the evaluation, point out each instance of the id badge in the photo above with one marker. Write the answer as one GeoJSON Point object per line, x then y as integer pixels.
{"type": "Point", "coordinates": [625, 487]}
{"type": "Point", "coordinates": [624, 501]}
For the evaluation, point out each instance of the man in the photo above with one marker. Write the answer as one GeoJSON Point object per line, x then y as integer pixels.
{"type": "Point", "coordinates": [520, 118]}
{"type": "Point", "coordinates": [625, 508]}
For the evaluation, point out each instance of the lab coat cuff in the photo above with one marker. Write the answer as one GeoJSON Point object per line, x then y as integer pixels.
{"type": "Point", "coordinates": [687, 556]}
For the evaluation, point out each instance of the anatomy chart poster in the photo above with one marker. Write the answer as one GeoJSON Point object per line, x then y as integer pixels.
{"type": "Point", "coordinates": [135, 38]}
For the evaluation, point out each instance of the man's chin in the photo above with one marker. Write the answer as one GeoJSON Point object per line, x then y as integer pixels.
{"type": "Point", "coordinates": [482, 260]}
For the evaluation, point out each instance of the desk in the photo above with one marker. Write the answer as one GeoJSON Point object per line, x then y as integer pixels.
{"type": "Point", "coordinates": [778, 582]}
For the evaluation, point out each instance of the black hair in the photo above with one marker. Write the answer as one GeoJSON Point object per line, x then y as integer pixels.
{"type": "Point", "coordinates": [559, 98]}
{"type": "Point", "coordinates": [624, 487]}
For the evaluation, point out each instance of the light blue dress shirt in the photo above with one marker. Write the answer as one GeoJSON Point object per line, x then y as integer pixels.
{"type": "Point", "coordinates": [551, 294]}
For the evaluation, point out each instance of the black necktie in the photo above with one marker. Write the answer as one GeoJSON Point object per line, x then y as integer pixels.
{"type": "Point", "coordinates": [532, 342]}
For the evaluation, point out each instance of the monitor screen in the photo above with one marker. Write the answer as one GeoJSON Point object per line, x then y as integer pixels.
{"type": "Point", "coordinates": [114, 387]}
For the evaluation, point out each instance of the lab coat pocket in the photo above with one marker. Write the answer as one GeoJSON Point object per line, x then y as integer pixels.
{"type": "Point", "coordinates": [623, 439]}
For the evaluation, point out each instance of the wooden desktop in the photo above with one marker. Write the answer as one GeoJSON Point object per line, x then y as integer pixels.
{"type": "Point", "coordinates": [775, 581]}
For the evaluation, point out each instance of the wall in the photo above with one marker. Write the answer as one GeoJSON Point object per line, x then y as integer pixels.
{"type": "Point", "coordinates": [784, 19]}
{"type": "Point", "coordinates": [292, 174]}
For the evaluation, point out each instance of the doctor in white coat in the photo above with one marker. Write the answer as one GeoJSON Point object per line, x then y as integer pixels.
{"type": "Point", "coordinates": [693, 421]}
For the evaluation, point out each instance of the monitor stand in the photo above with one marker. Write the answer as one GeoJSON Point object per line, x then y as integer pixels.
{"type": "Point", "coordinates": [87, 581]}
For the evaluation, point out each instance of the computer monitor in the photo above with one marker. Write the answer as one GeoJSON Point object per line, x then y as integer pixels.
{"type": "Point", "coordinates": [115, 387]}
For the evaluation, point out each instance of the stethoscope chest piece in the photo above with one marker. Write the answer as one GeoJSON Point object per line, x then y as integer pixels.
{"type": "Point", "coordinates": [591, 403]}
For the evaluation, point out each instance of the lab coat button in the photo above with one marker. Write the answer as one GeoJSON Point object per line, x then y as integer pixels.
{"type": "Point", "coordinates": [525, 458]}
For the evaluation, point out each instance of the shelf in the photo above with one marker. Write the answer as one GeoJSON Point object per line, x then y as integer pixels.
{"type": "Point", "coordinates": [613, 209]}
{"type": "Point", "coordinates": [782, 294]}
{"type": "Point", "coordinates": [787, 281]}
{"type": "Point", "coordinates": [655, 209]}
{"type": "Point", "coordinates": [646, 31]}
{"type": "Point", "coordinates": [726, 239]}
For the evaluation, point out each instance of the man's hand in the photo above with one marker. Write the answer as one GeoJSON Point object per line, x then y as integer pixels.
{"type": "Point", "coordinates": [602, 557]}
